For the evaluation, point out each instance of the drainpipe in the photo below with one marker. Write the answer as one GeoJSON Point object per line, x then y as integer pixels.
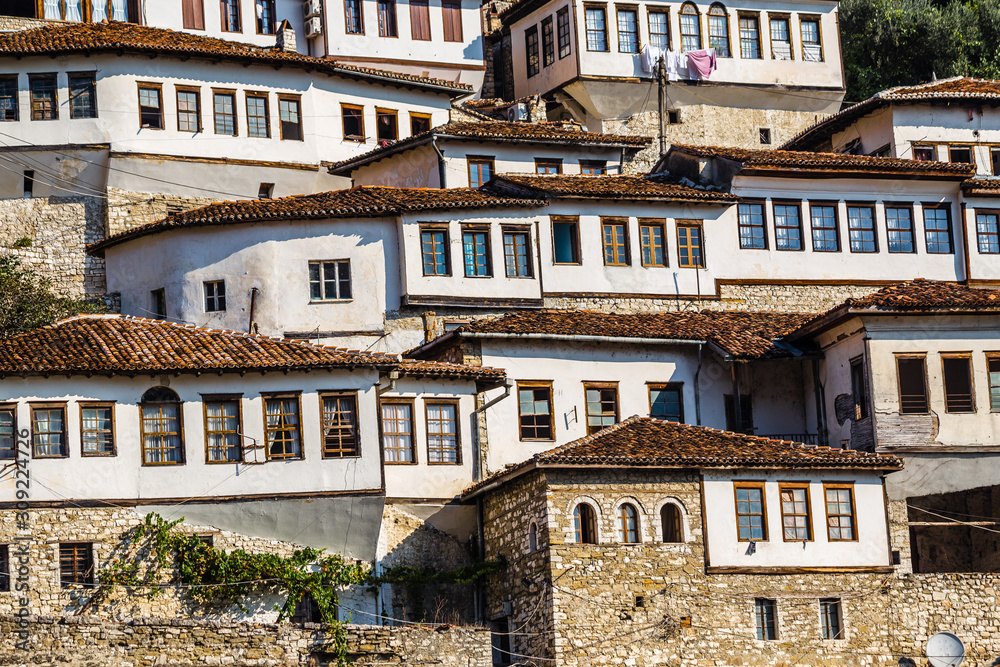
{"type": "Point", "coordinates": [393, 377]}
{"type": "Point", "coordinates": [442, 172]}
{"type": "Point", "coordinates": [477, 414]}
{"type": "Point", "coordinates": [697, 389]}
{"type": "Point", "coordinates": [253, 308]}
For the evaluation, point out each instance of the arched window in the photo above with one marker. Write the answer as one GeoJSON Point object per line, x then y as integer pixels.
{"type": "Point", "coordinates": [628, 524]}
{"type": "Point", "coordinates": [718, 30]}
{"type": "Point", "coordinates": [690, 27]}
{"type": "Point", "coordinates": [162, 441]}
{"type": "Point", "coordinates": [532, 538]}
{"type": "Point", "coordinates": [584, 524]}
{"type": "Point", "coordinates": [673, 525]}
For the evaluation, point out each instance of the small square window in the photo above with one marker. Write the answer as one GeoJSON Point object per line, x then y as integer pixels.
{"type": "Point", "coordinates": [764, 134]}
{"type": "Point", "coordinates": [215, 296]}
{"type": "Point", "coordinates": [385, 125]}
{"type": "Point", "coordinates": [265, 191]}
{"type": "Point", "coordinates": [673, 116]}
{"type": "Point", "coordinates": [354, 122]}
{"type": "Point", "coordinates": [76, 564]}
{"type": "Point", "coordinates": [48, 431]}
{"type": "Point", "coordinates": [766, 614]}
{"type": "Point", "coordinates": [330, 280]}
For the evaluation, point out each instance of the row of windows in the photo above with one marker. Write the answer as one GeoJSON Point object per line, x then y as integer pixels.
{"type": "Point", "coordinates": [627, 527]}
{"type": "Point", "coordinates": [482, 168]}
{"type": "Point", "coordinates": [43, 94]}
{"type": "Point", "coordinates": [862, 227]}
{"type": "Point", "coordinates": [560, 34]}
{"type": "Point", "coordinates": [796, 512]}
{"type": "Point", "coordinates": [231, 15]}
{"type": "Point", "coordinates": [958, 384]}
{"type": "Point", "coordinates": [386, 123]}
{"type": "Point", "coordinates": [658, 23]}
{"type": "Point", "coordinates": [831, 619]}
{"type": "Point", "coordinates": [420, 19]}
{"type": "Point", "coordinates": [93, 11]}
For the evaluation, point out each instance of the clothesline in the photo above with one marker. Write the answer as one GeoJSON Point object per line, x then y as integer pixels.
{"type": "Point", "coordinates": [697, 64]}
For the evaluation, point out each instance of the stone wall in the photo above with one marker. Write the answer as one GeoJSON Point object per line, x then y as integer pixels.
{"type": "Point", "coordinates": [19, 23]}
{"type": "Point", "coordinates": [131, 209]}
{"type": "Point", "coordinates": [84, 641]}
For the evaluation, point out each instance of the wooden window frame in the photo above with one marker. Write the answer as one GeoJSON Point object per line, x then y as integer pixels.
{"type": "Point", "coordinates": [532, 385]}
{"type": "Point", "coordinates": [224, 16]}
{"type": "Point", "coordinates": [215, 113]}
{"type": "Point", "coordinates": [282, 395]}
{"type": "Point", "coordinates": [666, 386]}
{"type": "Point", "coordinates": [428, 404]}
{"type": "Point", "coordinates": [55, 405]}
{"type": "Point", "coordinates": [862, 410]}
{"type": "Point", "coordinates": [691, 224]}
{"type": "Point", "coordinates": [414, 449]}
{"type": "Point", "coordinates": [361, 18]}
{"type": "Point", "coordinates": [562, 18]}
{"type": "Point", "coordinates": [617, 260]}
{"type": "Point", "coordinates": [740, 226]}
{"type": "Point", "coordinates": [4, 568]}
{"type": "Point", "coordinates": [488, 241]}
{"type": "Point", "coordinates": [649, 23]}
{"type": "Point", "coordinates": [836, 224]}
{"type": "Point", "coordinates": [223, 398]}
{"type": "Point", "coordinates": [825, 627]}
{"type": "Point", "coordinates": [819, 35]}
{"type": "Point", "coordinates": [84, 405]}
{"type": "Point", "coordinates": [383, 26]}
{"type": "Point", "coordinates": [967, 356]}
{"type": "Point", "coordinates": [990, 358]}
{"type": "Point", "coordinates": [914, 145]}
{"type": "Point", "coordinates": [797, 205]}
{"type": "Point", "coordinates": [995, 235]}
{"type": "Point", "coordinates": [181, 445]}
{"type": "Point", "coordinates": [936, 206]}
{"type": "Point", "coordinates": [274, 18]}
{"type": "Point", "coordinates": [518, 230]}
{"type": "Point", "coordinates": [854, 510]}
{"type": "Point", "coordinates": [87, 575]}
{"type": "Point", "coordinates": [661, 223]}
{"type": "Point", "coordinates": [158, 87]}
{"type": "Point", "coordinates": [618, 32]}
{"type": "Point", "coordinates": [267, 112]}
{"type": "Point", "coordinates": [674, 507]}
{"type": "Point", "coordinates": [91, 76]}
{"type": "Point", "coordinates": [547, 162]}
{"type": "Point", "coordinates": [580, 534]}
{"type": "Point", "coordinates": [697, 19]}
{"type": "Point", "coordinates": [874, 228]}
{"type": "Point", "coordinates": [787, 18]}
{"type": "Point", "coordinates": [971, 147]}
{"type": "Point", "coordinates": [217, 297]}
{"type": "Point", "coordinates": [729, 33]}
{"type": "Point", "coordinates": [361, 115]}
{"type": "Point", "coordinates": [297, 99]}
{"type": "Point", "coordinates": [603, 8]}
{"type": "Point", "coordinates": [414, 115]}
{"type": "Point", "coordinates": [587, 385]}
{"type": "Point", "coordinates": [751, 484]}
{"type": "Point", "coordinates": [899, 387]}
{"type": "Point", "coordinates": [339, 454]}
{"type": "Point", "coordinates": [577, 248]}
{"type": "Point", "coordinates": [12, 451]}
{"type": "Point", "coordinates": [621, 519]}
{"type": "Point", "coordinates": [796, 486]}
{"type": "Point", "coordinates": [52, 76]}
{"type": "Point", "coordinates": [197, 20]}
{"type": "Point", "coordinates": [532, 52]}
{"type": "Point", "coordinates": [13, 79]}
{"type": "Point", "coordinates": [588, 168]}
{"type": "Point", "coordinates": [913, 227]}
{"type": "Point", "coordinates": [471, 160]}
{"type": "Point", "coordinates": [197, 93]}
{"type": "Point", "coordinates": [433, 228]}
{"type": "Point", "coordinates": [761, 626]}
{"type": "Point", "coordinates": [382, 111]}
{"type": "Point", "coordinates": [548, 46]}
{"type": "Point", "coordinates": [746, 14]}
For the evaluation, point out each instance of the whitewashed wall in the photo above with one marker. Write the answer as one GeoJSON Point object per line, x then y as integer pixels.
{"type": "Point", "coordinates": [160, 14]}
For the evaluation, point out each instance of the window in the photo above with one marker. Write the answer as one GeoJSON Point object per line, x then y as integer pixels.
{"type": "Point", "coordinates": [937, 228]}
{"type": "Point", "coordinates": [534, 409]}
{"type": "Point", "coordinates": [188, 110]}
{"type": "Point", "coordinates": [354, 23]}
{"type": "Point", "coordinates": [812, 48]}
{"type": "Point", "coordinates": [861, 229]}
{"type": "Point", "coordinates": [764, 136]}
{"type": "Point", "coordinates": [992, 363]}
{"type": "Point", "coordinates": [8, 98]}
{"type": "Point", "coordinates": [781, 38]}
{"type": "Point", "coordinates": [231, 16]}
{"type": "Point", "coordinates": [911, 374]}
{"type": "Point", "coordinates": [397, 433]}
{"type": "Point", "coordinates": [825, 232]}
{"type": "Point", "coordinates": [225, 113]}
{"type": "Point", "coordinates": [651, 235]}
{"type": "Point", "coordinates": [258, 119]}
{"type": "Point", "coordinates": [562, 28]}
{"type": "Point", "coordinates": [387, 18]}
{"type": "Point", "coordinates": [548, 166]}
{"type": "Point", "coordinates": [265, 191]}
{"type": "Point", "coordinates": [584, 524]}
{"type": "Point", "coordinates": [597, 29]}
{"type": "Point", "coordinates": [266, 23]}
{"type": "Point", "coordinates": [386, 127]}
{"type": "Point", "coordinates": [750, 523]}
{"type": "Point", "coordinates": [531, 50]}
{"type": "Point", "coordinates": [452, 15]}
{"type": "Point", "coordinates": [83, 95]}
{"type": "Point", "coordinates": [215, 296]}
{"type": "Point", "coordinates": [924, 153]}
{"type": "Point", "coordinates": [193, 14]}
{"type": "Point", "coordinates": [659, 29]}
{"type": "Point", "coordinates": [742, 423]}
{"type": "Point", "coordinates": [162, 436]}
{"type": "Point", "coordinates": [8, 433]}
{"type": "Point", "coordinates": [306, 610]}
{"type": "Point", "coordinates": [602, 406]}
{"type": "Point", "coordinates": [532, 538]}
{"type": "Point", "coordinates": [330, 280]}
{"type": "Point", "coordinates": [718, 30]}
{"type": "Point", "coordinates": [48, 431]}
{"type": "Point", "coordinates": [962, 154]}
{"type": "Point", "coordinates": [158, 304]}
{"type": "Point", "coordinates": [222, 429]}
{"type": "Point", "coordinates": [517, 254]}
{"type": "Point", "coordinates": [29, 183]}
{"type": "Point", "coordinates": [859, 388]}
{"type": "Point", "coordinates": [97, 429]}
{"type": "Point", "coordinates": [899, 228]}
{"type": "Point", "coordinates": [548, 43]}
{"type": "Point", "coordinates": [766, 619]}
{"type": "Point", "coordinates": [290, 117]}
{"type": "Point", "coordinates": [476, 248]}
{"type": "Point", "coordinates": [76, 564]}
{"type": "Point", "coordinates": [442, 433]}
{"type": "Point", "coordinates": [751, 224]}
{"type": "Point", "coordinates": [593, 167]}
{"type": "Point", "coordinates": [615, 232]}
{"type": "Point", "coordinates": [282, 435]}
{"type": "Point", "coordinates": [419, 123]}
{"type": "Point", "coordinates": [840, 512]}
{"type": "Point", "coordinates": [958, 396]}
{"type": "Point", "coordinates": [787, 227]}
{"type": "Point", "coordinates": [689, 245]}
{"type": "Point", "coordinates": [340, 425]}
{"type": "Point", "coordinates": [150, 106]}
{"type": "Point", "coordinates": [690, 28]}
{"type": "Point", "coordinates": [628, 524]}
{"type": "Point", "coordinates": [995, 161]}
{"type": "Point", "coordinates": [480, 171]}
{"type": "Point", "coordinates": [565, 240]}
{"type": "Point", "coordinates": [672, 524]}
{"type": "Point", "coordinates": [354, 122]}
{"type": "Point", "coordinates": [420, 20]}
{"type": "Point", "coordinates": [750, 36]}
{"type": "Point", "coordinates": [4, 568]}
{"type": "Point", "coordinates": [796, 524]}
{"type": "Point", "coordinates": [987, 232]}
{"type": "Point", "coordinates": [666, 401]}
{"type": "Point", "coordinates": [434, 251]}
{"type": "Point", "coordinates": [628, 30]}
{"type": "Point", "coordinates": [831, 619]}
{"type": "Point", "coordinates": [44, 104]}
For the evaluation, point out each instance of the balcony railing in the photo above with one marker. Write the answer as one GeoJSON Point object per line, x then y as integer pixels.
{"type": "Point", "coordinates": [807, 438]}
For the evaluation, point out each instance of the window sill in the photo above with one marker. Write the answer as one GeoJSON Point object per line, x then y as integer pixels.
{"type": "Point", "coordinates": [457, 464]}
{"type": "Point", "coordinates": [98, 455]}
{"type": "Point", "coordinates": [341, 458]}
{"type": "Point", "coordinates": [400, 463]}
{"type": "Point", "coordinates": [655, 266]}
{"type": "Point", "coordinates": [478, 277]}
{"type": "Point", "coordinates": [320, 301]}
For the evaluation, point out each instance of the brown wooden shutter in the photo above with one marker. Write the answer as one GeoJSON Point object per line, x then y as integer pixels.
{"type": "Point", "coordinates": [452, 10]}
{"type": "Point", "coordinates": [420, 19]}
{"type": "Point", "coordinates": [194, 14]}
{"type": "Point", "coordinates": [134, 9]}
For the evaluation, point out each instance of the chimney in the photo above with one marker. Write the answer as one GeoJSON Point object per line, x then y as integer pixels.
{"type": "Point", "coordinates": [286, 36]}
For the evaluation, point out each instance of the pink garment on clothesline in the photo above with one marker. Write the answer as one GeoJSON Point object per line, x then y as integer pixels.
{"type": "Point", "coordinates": [701, 62]}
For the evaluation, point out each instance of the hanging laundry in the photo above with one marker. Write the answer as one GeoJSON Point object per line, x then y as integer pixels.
{"type": "Point", "coordinates": [674, 60]}
{"type": "Point", "coordinates": [701, 62]}
{"type": "Point", "coordinates": [650, 56]}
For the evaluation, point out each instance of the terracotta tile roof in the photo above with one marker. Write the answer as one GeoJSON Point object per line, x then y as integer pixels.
{"type": "Point", "coordinates": [954, 89]}
{"type": "Point", "coordinates": [363, 201]}
{"type": "Point", "coordinates": [737, 334]}
{"type": "Point", "coordinates": [602, 187]}
{"type": "Point", "coordinates": [981, 187]}
{"type": "Point", "coordinates": [107, 344]}
{"type": "Point", "coordinates": [645, 442]}
{"type": "Point", "coordinates": [494, 131]}
{"type": "Point", "coordinates": [803, 161]}
{"type": "Point", "coordinates": [116, 37]}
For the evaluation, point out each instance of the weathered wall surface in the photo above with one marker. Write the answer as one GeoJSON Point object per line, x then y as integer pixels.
{"type": "Point", "coordinates": [18, 23]}
{"type": "Point", "coordinates": [128, 209]}
{"type": "Point", "coordinates": [86, 641]}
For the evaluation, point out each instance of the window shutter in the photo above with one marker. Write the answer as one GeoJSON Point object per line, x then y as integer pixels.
{"type": "Point", "coordinates": [420, 19]}
{"type": "Point", "coordinates": [452, 20]}
{"type": "Point", "coordinates": [194, 14]}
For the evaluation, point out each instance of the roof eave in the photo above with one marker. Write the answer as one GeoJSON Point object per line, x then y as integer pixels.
{"type": "Point", "coordinates": [796, 172]}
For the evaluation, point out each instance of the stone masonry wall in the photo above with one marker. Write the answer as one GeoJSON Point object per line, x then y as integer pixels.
{"type": "Point", "coordinates": [128, 209]}
{"type": "Point", "coordinates": [19, 23]}
{"type": "Point", "coordinates": [85, 641]}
